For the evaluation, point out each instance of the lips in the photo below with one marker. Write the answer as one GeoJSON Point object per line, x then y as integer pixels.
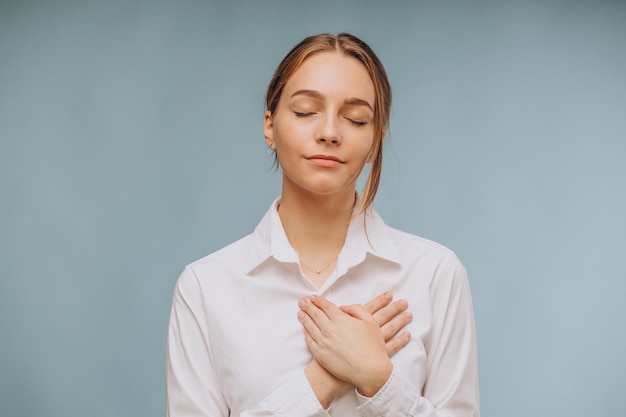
{"type": "Point", "coordinates": [326, 161]}
{"type": "Point", "coordinates": [326, 157]}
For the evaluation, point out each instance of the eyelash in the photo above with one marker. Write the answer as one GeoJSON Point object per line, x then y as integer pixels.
{"type": "Point", "coordinates": [357, 123]}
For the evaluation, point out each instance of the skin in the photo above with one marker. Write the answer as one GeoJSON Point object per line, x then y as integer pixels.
{"type": "Point", "coordinates": [324, 110]}
{"type": "Point", "coordinates": [390, 318]}
{"type": "Point", "coordinates": [323, 133]}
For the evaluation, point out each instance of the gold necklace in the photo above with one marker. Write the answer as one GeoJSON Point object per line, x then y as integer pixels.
{"type": "Point", "coordinates": [318, 270]}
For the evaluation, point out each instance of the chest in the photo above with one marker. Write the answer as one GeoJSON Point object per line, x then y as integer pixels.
{"type": "Point", "coordinates": [257, 342]}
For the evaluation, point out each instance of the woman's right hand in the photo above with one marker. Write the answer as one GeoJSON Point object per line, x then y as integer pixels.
{"type": "Point", "coordinates": [391, 317]}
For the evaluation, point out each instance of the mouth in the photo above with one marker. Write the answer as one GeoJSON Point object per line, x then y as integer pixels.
{"type": "Point", "coordinates": [326, 158]}
{"type": "Point", "coordinates": [326, 161]}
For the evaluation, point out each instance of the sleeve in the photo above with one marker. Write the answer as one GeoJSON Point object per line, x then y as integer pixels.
{"type": "Point", "coordinates": [294, 398]}
{"type": "Point", "coordinates": [192, 385]}
{"type": "Point", "coordinates": [451, 386]}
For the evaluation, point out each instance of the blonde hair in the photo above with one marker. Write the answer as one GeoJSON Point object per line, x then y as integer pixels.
{"type": "Point", "coordinates": [354, 47]}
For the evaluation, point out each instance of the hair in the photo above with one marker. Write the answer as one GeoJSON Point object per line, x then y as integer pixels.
{"type": "Point", "coordinates": [352, 46]}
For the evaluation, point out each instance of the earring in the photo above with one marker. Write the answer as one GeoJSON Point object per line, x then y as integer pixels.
{"type": "Point", "coordinates": [269, 150]}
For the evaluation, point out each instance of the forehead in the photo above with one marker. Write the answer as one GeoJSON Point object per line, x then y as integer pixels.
{"type": "Point", "coordinates": [332, 73]}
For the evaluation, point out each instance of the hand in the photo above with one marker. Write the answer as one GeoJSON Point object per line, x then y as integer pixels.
{"type": "Point", "coordinates": [391, 318]}
{"type": "Point", "coordinates": [348, 341]}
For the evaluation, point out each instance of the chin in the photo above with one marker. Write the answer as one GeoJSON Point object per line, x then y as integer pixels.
{"type": "Point", "coordinates": [329, 191]}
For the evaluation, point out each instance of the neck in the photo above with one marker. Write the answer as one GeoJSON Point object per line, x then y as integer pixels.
{"type": "Point", "coordinates": [316, 227]}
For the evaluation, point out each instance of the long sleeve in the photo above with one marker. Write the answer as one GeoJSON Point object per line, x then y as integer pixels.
{"type": "Point", "coordinates": [294, 398]}
{"type": "Point", "coordinates": [193, 387]}
{"type": "Point", "coordinates": [451, 386]}
{"type": "Point", "coordinates": [236, 347]}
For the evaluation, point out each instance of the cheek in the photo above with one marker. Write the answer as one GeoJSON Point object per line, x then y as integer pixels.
{"type": "Point", "coordinates": [367, 144]}
{"type": "Point", "coordinates": [286, 134]}
{"type": "Point", "coordinates": [363, 153]}
{"type": "Point", "coordinates": [287, 146]}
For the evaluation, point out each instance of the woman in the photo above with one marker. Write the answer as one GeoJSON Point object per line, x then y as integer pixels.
{"type": "Point", "coordinates": [296, 319]}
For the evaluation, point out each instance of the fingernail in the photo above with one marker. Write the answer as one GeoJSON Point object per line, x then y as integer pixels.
{"type": "Point", "coordinates": [404, 303]}
{"type": "Point", "coordinates": [387, 295]}
{"type": "Point", "coordinates": [301, 303]}
{"type": "Point", "coordinates": [313, 298]}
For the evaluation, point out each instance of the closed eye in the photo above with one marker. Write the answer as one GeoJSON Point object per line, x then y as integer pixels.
{"type": "Point", "coordinates": [356, 122]}
{"type": "Point", "coordinates": [302, 114]}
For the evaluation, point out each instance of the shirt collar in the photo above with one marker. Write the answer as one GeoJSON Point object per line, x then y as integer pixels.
{"type": "Point", "coordinates": [367, 234]}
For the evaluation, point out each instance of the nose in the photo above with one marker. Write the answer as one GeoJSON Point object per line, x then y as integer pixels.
{"type": "Point", "coordinates": [329, 131]}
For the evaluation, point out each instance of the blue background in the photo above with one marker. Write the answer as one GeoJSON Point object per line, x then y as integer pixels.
{"type": "Point", "coordinates": [131, 144]}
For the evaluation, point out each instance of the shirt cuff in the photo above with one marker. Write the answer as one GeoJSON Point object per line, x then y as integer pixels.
{"type": "Point", "coordinates": [396, 397]}
{"type": "Point", "coordinates": [295, 398]}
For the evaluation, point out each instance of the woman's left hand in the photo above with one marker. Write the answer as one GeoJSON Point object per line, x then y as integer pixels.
{"type": "Point", "coordinates": [347, 342]}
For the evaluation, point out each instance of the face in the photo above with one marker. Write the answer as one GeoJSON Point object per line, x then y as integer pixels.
{"type": "Point", "coordinates": [323, 128]}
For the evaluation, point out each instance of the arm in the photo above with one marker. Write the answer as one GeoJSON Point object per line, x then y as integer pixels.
{"type": "Point", "coordinates": [451, 387]}
{"type": "Point", "coordinates": [452, 383]}
{"type": "Point", "coordinates": [347, 342]}
{"type": "Point", "coordinates": [311, 393]}
{"type": "Point", "coordinates": [192, 388]}
{"type": "Point", "coordinates": [391, 318]}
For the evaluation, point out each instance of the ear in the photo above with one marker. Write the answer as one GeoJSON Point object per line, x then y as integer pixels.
{"type": "Point", "coordinates": [268, 129]}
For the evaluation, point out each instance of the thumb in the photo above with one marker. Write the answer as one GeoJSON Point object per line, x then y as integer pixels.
{"type": "Point", "coordinates": [357, 311]}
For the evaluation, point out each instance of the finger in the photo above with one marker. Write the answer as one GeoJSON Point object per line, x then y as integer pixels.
{"type": "Point", "coordinates": [310, 341]}
{"type": "Point", "coordinates": [394, 345]}
{"type": "Point", "coordinates": [314, 312]}
{"type": "Point", "coordinates": [325, 306]}
{"type": "Point", "coordinates": [387, 313]}
{"type": "Point", "coordinates": [310, 328]}
{"type": "Point", "coordinates": [392, 327]}
{"type": "Point", "coordinates": [379, 302]}
{"type": "Point", "coordinates": [358, 311]}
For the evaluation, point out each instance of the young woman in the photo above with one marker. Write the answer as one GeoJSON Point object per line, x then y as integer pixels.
{"type": "Point", "coordinates": [297, 318]}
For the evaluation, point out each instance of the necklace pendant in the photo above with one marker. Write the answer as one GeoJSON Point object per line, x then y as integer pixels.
{"type": "Point", "coordinates": [319, 271]}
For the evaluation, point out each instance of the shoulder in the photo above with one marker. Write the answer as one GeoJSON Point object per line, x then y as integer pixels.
{"type": "Point", "coordinates": [234, 260]}
{"type": "Point", "coordinates": [227, 261]}
{"type": "Point", "coordinates": [412, 245]}
{"type": "Point", "coordinates": [425, 254]}
{"type": "Point", "coordinates": [230, 256]}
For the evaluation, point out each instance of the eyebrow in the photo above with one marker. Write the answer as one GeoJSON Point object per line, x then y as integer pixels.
{"type": "Point", "coordinates": [353, 101]}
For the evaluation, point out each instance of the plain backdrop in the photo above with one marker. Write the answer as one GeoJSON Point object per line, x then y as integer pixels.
{"type": "Point", "coordinates": [131, 144]}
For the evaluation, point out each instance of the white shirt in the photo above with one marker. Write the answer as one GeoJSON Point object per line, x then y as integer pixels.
{"type": "Point", "coordinates": [236, 347]}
